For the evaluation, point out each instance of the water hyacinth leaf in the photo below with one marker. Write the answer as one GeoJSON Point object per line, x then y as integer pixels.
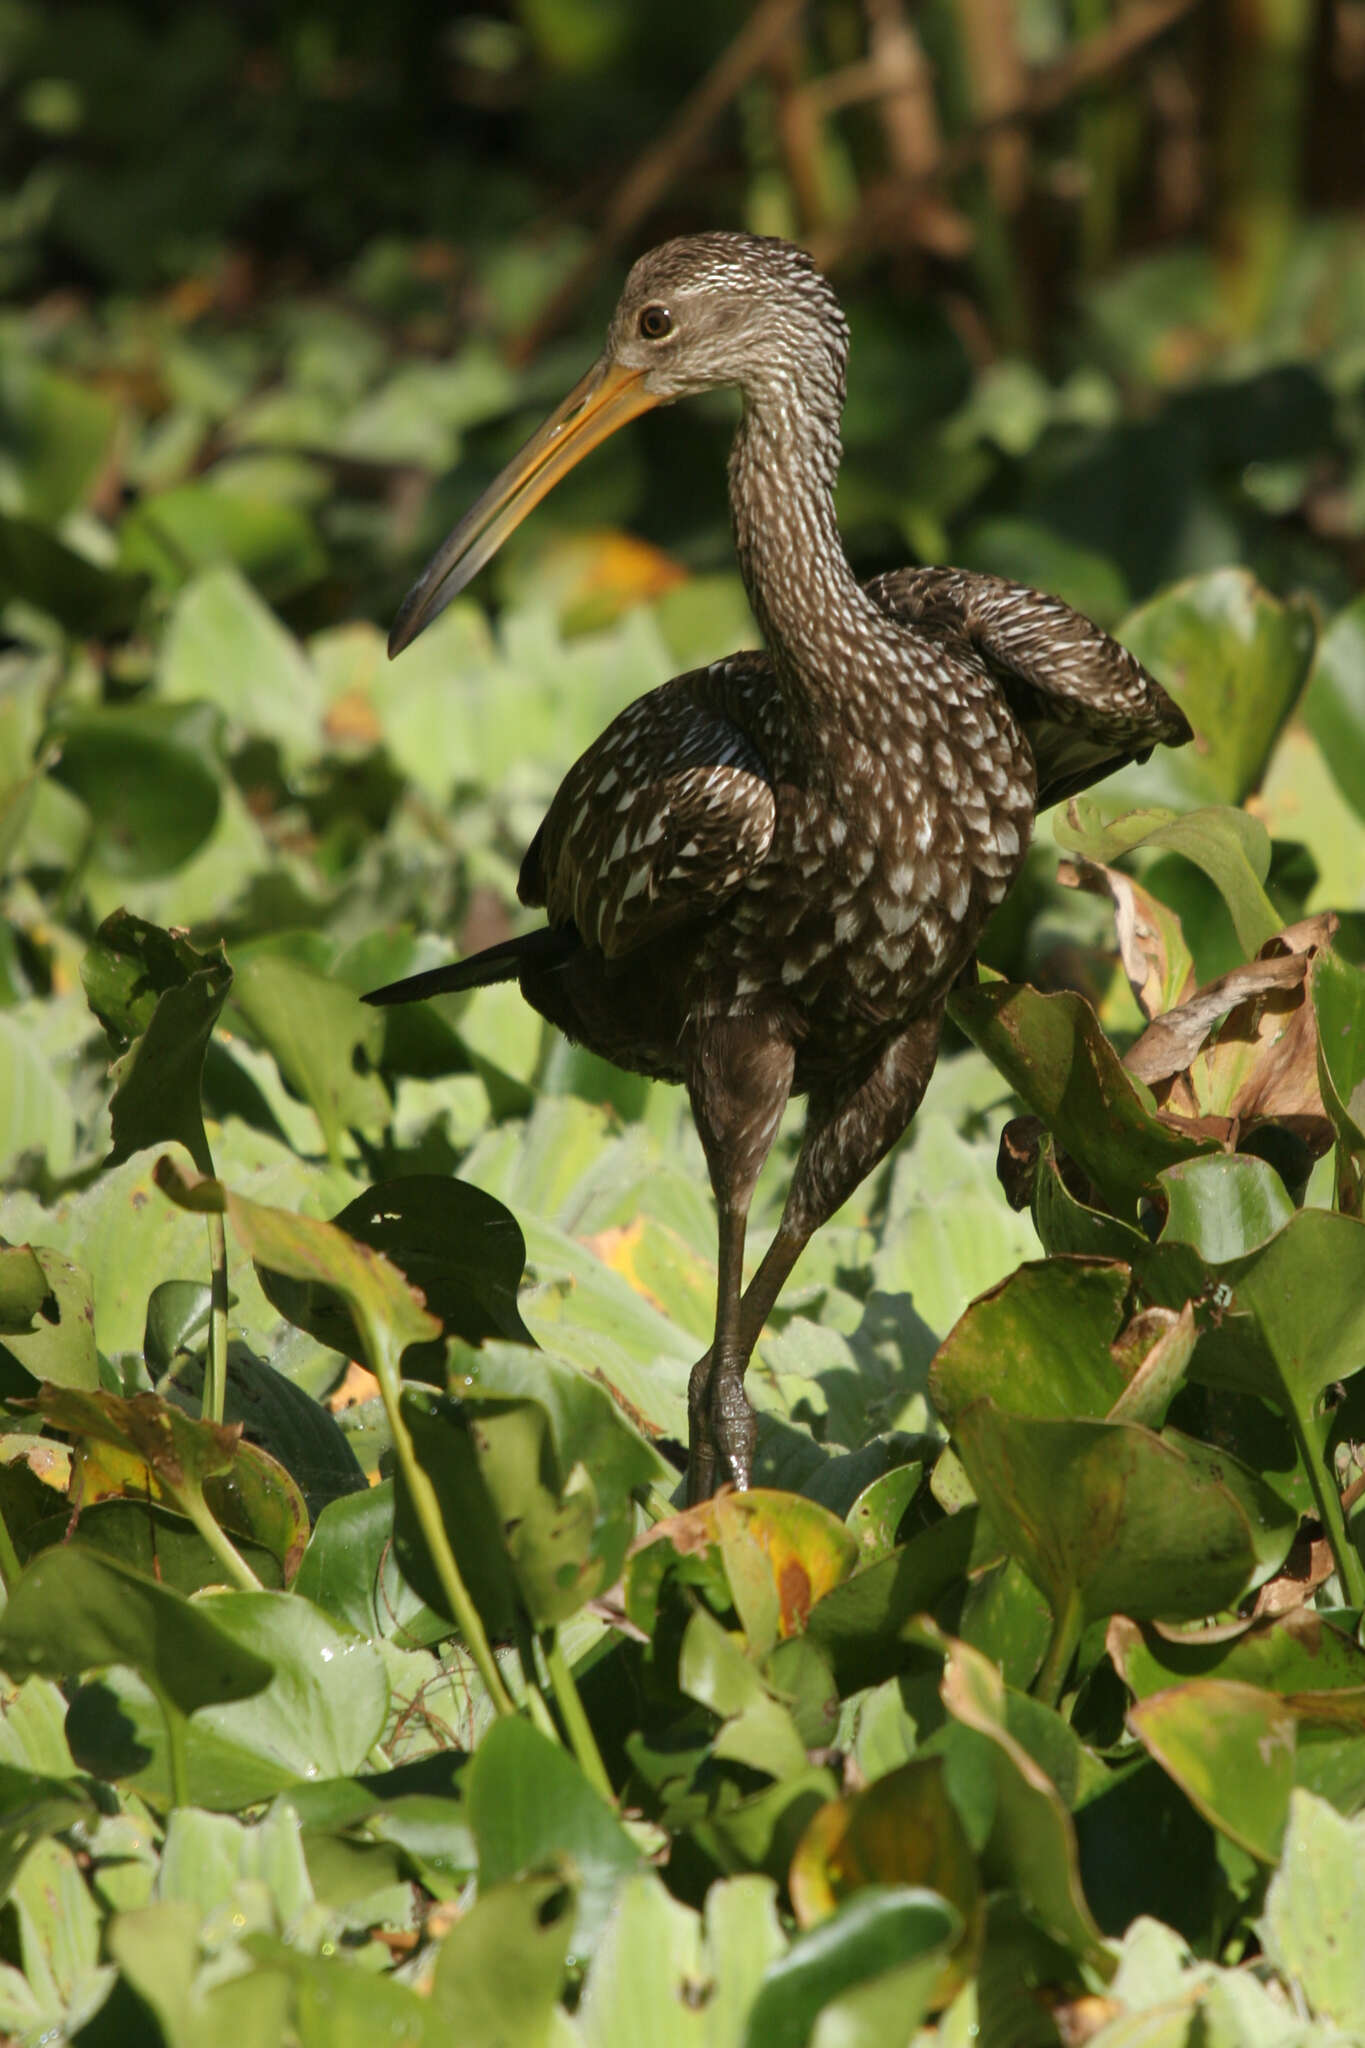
{"type": "Point", "coordinates": [1313, 1926]}
{"type": "Point", "coordinates": [31, 1807]}
{"type": "Point", "coordinates": [532, 1810]}
{"type": "Point", "coordinates": [23, 1289]}
{"type": "Point", "coordinates": [859, 1624]}
{"type": "Point", "coordinates": [279, 1419]}
{"type": "Point", "coordinates": [388, 1314]}
{"type": "Point", "coordinates": [35, 1109]}
{"type": "Point", "coordinates": [1053, 1053]}
{"type": "Point", "coordinates": [459, 1246]}
{"type": "Point", "coordinates": [1152, 947]}
{"type": "Point", "coordinates": [1107, 1518]}
{"type": "Point", "coordinates": [499, 1970]}
{"type": "Point", "coordinates": [1223, 1206]}
{"type": "Point", "coordinates": [876, 1515]}
{"type": "Point", "coordinates": [444, 1445]}
{"type": "Point", "coordinates": [656, 1953]}
{"type": "Point", "coordinates": [324, 1040]}
{"type": "Point", "coordinates": [1038, 1344]}
{"type": "Point", "coordinates": [58, 1343]}
{"type": "Point", "coordinates": [149, 776]}
{"type": "Point", "coordinates": [159, 999]}
{"type": "Point", "coordinates": [195, 526]}
{"type": "Point", "coordinates": [73, 1612]}
{"type": "Point", "coordinates": [900, 1928]}
{"type": "Point", "coordinates": [1339, 1004]}
{"type": "Point", "coordinates": [758, 1731]}
{"type": "Point", "coordinates": [1165, 1345]}
{"type": "Point", "coordinates": [1230, 846]}
{"type": "Point", "coordinates": [1032, 1844]}
{"type": "Point", "coordinates": [904, 1829]}
{"type": "Point", "coordinates": [202, 1468]}
{"type": "Point", "coordinates": [1297, 1654]}
{"type": "Point", "coordinates": [1230, 1747]}
{"type": "Point", "coordinates": [57, 433]}
{"type": "Point", "coordinates": [87, 600]}
{"type": "Point", "coordinates": [1064, 1222]}
{"type": "Point", "coordinates": [1334, 703]}
{"type": "Point", "coordinates": [349, 1569]}
{"type": "Point", "coordinates": [1235, 659]}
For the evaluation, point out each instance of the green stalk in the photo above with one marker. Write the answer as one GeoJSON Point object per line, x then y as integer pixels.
{"type": "Point", "coordinates": [215, 1365]}
{"type": "Point", "coordinates": [10, 1566]}
{"type": "Point", "coordinates": [428, 1511]}
{"type": "Point", "coordinates": [535, 1698]}
{"type": "Point", "coordinates": [581, 1738]}
{"type": "Point", "coordinates": [175, 1744]}
{"type": "Point", "coordinates": [1066, 1636]}
{"type": "Point", "coordinates": [192, 1504]}
{"type": "Point", "coordinates": [1349, 1564]}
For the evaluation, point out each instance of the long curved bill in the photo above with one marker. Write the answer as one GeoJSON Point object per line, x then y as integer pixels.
{"type": "Point", "coordinates": [605, 399]}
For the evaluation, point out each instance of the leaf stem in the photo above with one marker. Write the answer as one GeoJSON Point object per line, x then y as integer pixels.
{"type": "Point", "coordinates": [215, 1369]}
{"type": "Point", "coordinates": [175, 1744]}
{"type": "Point", "coordinates": [1066, 1635]}
{"type": "Point", "coordinates": [428, 1511]}
{"type": "Point", "coordinates": [1348, 1561]}
{"type": "Point", "coordinates": [535, 1698]}
{"type": "Point", "coordinates": [10, 1566]}
{"type": "Point", "coordinates": [192, 1503]}
{"type": "Point", "coordinates": [581, 1738]}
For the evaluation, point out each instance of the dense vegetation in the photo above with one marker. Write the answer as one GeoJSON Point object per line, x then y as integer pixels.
{"type": "Point", "coordinates": [362, 1680]}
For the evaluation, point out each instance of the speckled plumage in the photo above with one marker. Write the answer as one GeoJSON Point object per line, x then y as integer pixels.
{"type": "Point", "coordinates": [765, 876]}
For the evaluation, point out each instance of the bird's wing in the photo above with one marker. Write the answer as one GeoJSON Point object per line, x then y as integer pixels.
{"type": "Point", "coordinates": [657, 824]}
{"type": "Point", "coordinates": [1086, 704]}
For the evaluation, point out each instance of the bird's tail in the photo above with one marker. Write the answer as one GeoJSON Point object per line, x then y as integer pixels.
{"type": "Point", "coordinates": [545, 947]}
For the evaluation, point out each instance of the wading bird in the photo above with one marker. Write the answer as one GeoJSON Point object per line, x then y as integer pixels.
{"type": "Point", "coordinates": [765, 876]}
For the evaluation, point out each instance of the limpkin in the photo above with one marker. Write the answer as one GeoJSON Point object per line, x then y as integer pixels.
{"type": "Point", "coordinates": [766, 875]}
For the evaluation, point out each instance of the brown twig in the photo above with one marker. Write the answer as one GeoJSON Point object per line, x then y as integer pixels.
{"type": "Point", "coordinates": [650, 176]}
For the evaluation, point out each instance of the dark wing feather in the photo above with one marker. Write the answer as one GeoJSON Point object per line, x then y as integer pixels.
{"type": "Point", "coordinates": [1085, 703]}
{"type": "Point", "coordinates": [658, 823]}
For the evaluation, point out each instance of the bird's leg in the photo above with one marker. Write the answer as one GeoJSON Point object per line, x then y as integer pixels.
{"type": "Point", "coordinates": [739, 1078]}
{"type": "Point", "coordinates": [848, 1132]}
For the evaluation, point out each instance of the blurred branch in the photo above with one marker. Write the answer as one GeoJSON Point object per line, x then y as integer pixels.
{"type": "Point", "coordinates": [650, 176]}
{"type": "Point", "coordinates": [884, 206]}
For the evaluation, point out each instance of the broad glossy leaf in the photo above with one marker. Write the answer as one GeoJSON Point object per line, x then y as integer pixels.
{"type": "Point", "coordinates": [1334, 702]}
{"type": "Point", "coordinates": [445, 1447]}
{"type": "Point", "coordinates": [875, 1516]}
{"type": "Point", "coordinates": [877, 1931]}
{"type": "Point", "coordinates": [531, 1808]}
{"type": "Point", "coordinates": [32, 1807]}
{"type": "Point", "coordinates": [386, 1310]}
{"type": "Point", "coordinates": [1235, 659]}
{"type": "Point", "coordinates": [72, 1612]}
{"type": "Point", "coordinates": [459, 1246]}
{"type": "Point", "coordinates": [56, 434]}
{"type": "Point", "coordinates": [1032, 1843]}
{"type": "Point", "coordinates": [1313, 1927]}
{"type": "Point", "coordinates": [1224, 1205]}
{"type": "Point", "coordinates": [350, 1572]}
{"type": "Point", "coordinates": [148, 773]}
{"type": "Point", "coordinates": [500, 1969]}
{"type": "Point", "coordinates": [859, 1624]}
{"type": "Point", "coordinates": [190, 1463]}
{"type": "Point", "coordinates": [1230, 846]}
{"type": "Point", "coordinates": [324, 1040]}
{"type": "Point", "coordinates": [1053, 1053]}
{"type": "Point", "coordinates": [1230, 1747]}
{"type": "Point", "coordinates": [1121, 1521]}
{"type": "Point", "coordinates": [57, 1341]}
{"type": "Point", "coordinates": [1038, 1344]}
{"type": "Point", "coordinates": [159, 999]}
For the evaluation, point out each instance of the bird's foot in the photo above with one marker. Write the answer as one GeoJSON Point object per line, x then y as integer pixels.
{"type": "Point", "coordinates": [722, 1429]}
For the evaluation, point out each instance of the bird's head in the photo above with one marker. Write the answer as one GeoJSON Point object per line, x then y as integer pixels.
{"type": "Point", "coordinates": [701, 311]}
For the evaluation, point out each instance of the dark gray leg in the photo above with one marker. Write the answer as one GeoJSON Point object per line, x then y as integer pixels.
{"type": "Point", "coordinates": [848, 1133]}
{"type": "Point", "coordinates": [740, 1075]}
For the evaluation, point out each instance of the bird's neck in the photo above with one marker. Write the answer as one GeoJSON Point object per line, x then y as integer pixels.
{"type": "Point", "coordinates": [819, 625]}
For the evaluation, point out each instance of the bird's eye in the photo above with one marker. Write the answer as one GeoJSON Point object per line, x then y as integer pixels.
{"type": "Point", "coordinates": [655, 322]}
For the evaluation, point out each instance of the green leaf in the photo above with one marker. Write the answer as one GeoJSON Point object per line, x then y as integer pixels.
{"type": "Point", "coordinates": [87, 601]}
{"type": "Point", "coordinates": [531, 1809]}
{"type": "Point", "coordinates": [499, 1970]}
{"type": "Point", "coordinates": [1223, 1206]}
{"type": "Point", "coordinates": [148, 774]}
{"type": "Point", "coordinates": [31, 1808]}
{"type": "Point", "coordinates": [169, 535]}
{"type": "Point", "coordinates": [1230, 1748]}
{"type": "Point", "coordinates": [55, 435]}
{"type": "Point", "coordinates": [324, 1039]}
{"type": "Point", "coordinates": [1231, 847]}
{"type": "Point", "coordinates": [875, 1516]}
{"type": "Point", "coordinates": [350, 1572]}
{"type": "Point", "coordinates": [901, 1928]}
{"type": "Point", "coordinates": [459, 1246]}
{"type": "Point", "coordinates": [35, 1109]}
{"type": "Point", "coordinates": [1235, 659]}
{"type": "Point", "coordinates": [160, 997]}
{"type": "Point", "coordinates": [1313, 1927]}
{"type": "Point", "coordinates": [1053, 1053]}
{"type": "Point", "coordinates": [224, 647]}
{"type": "Point", "coordinates": [1038, 1344]}
{"type": "Point", "coordinates": [1334, 702]}
{"type": "Point", "coordinates": [1339, 1003]}
{"type": "Point", "coordinates": [72, 1612]}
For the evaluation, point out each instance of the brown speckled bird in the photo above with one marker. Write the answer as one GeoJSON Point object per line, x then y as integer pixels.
{"type": "Point", "coordinates": [765, 877]}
